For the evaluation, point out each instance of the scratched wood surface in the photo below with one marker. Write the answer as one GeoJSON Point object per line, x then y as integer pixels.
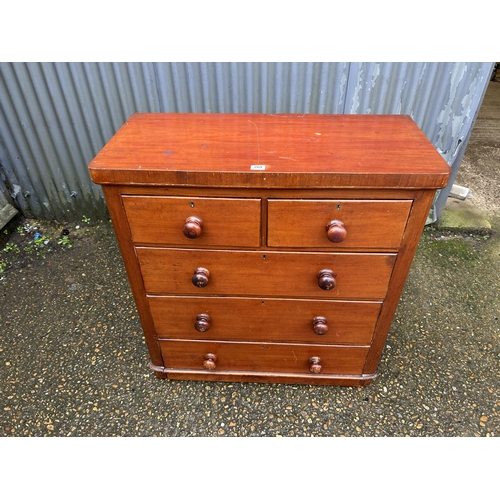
{"type": "Point", "coordinates": [242, 150]}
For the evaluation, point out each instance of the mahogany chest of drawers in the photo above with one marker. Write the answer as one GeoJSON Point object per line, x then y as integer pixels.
{"type": "Point", "coordinates": [268, 248]}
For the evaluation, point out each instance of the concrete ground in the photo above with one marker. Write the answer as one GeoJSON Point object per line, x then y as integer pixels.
{"type": "Point", "coordinates": [73, 361]}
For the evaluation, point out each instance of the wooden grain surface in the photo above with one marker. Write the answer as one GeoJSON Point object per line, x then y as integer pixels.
{"type": "Point", "coordinates": [265, 320]}
{"type": "Point", "coordinates": [266, 357]}
{"type": "Point", "coordinates": [185, 149]}
{"type": "Point", "coordinates": [369, 224]}
{"type": "Point", "coordinates": [265, 274]}
{"type": "Point", "coordinates": [227, 222]}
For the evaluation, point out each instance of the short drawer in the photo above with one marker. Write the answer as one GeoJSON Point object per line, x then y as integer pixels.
{"type": "Point", "coordinates": [227, 222]}
{"type": "Point", "coordinates": [264, 320]}
{"type": "Point", "coordinates": [262, 357]}
{"type": "Point", "coordinates": [264, 274]}
{"type": "Point", "coordinates": [356, 224]}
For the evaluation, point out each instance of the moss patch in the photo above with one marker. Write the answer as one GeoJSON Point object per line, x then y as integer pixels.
{"type": "Point", "coordinates": [461, 215]}
{"type": "Point", "coordinates": [449, 250]}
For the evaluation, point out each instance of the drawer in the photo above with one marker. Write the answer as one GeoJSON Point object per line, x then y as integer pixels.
{"type": "Point", "coordinates": [367, 224]}
{"type": "Point", "coordinates": [262, 357]}
{"type": "Point", "coordinates": [265, 274]}
{"type": "Point", "coordinates": [227, 222]}
{"type": "Point", "coordinates": [264, 320]}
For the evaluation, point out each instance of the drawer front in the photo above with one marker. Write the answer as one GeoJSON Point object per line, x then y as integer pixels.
{"type": "Point", "coordinates": [263, 357]}
{"type": "Point", "coordinates": [264, 320]}
{"type": "Point", "coordinates": [366, 224]}
{"type": "Point", "coordinates": [265, 274]}
{"type": "Point", "coordinates": [226, 222]}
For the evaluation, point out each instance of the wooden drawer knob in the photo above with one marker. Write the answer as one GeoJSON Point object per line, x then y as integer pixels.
{"type": "Point", "coordinates": [336, 231]}
{"type": "Point", "coordinates": [314, 364]}
{"type": "Point", "coordinates": [202, 323]}
{"type": "Point", "coordinates": [209, 362]}
{"type": "Point", "coordinates": [192, 227]}
{"type": "Point", "coordinates": [319, 325]}
{"type": "Point", "coordinates": [200, 277]}
{"type": "Point", "coordinates": [326, 279]}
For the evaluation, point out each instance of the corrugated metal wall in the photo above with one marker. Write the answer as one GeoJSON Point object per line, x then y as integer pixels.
{"type": "Point", "coordinates": [54, 117]}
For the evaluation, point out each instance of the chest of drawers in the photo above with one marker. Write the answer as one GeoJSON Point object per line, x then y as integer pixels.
{"type": "Point", "coordinates": [268, 248]}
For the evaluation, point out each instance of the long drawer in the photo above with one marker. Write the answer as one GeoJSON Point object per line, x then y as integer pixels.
{"type": "Point", "coordinates": [264, 320]}
{"type": "Point", "coordinates": [227, 222]}
{"type": "Point", "coordinates": [262, 357]}
{"type": "Point", "coordinates": [367, 224]}
{"type": "Point", "coordinates": [265, 274]}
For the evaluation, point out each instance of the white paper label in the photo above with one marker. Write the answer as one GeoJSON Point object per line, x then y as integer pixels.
{"type": "Point", "coordinates": [257, 167]}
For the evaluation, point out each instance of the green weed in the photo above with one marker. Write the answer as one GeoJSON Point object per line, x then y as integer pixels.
{"type": "Point", "coordinates": [65, 241]}
{"type": "Point", "coordinates": [11, 247]}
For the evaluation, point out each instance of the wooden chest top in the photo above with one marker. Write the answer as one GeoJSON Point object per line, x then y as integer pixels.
{"type": "Point", "coordinates": [270, 151]}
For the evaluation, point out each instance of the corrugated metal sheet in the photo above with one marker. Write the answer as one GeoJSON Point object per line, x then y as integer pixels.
{"type": "Point", "coordinates": [54, 117]}
{"type": "Point", "coordinates": [252, 87]}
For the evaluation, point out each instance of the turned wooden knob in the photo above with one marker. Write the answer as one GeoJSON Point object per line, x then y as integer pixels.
{"type": "Point", "coordinates": [192, 227]}
{"type": "Point", "coordinates": [314, 364]}
{"type": "Point", "coordinates": [209, 362]}
{"type": "Point", "coordinates": [202, 323]}
{"type": "Point", "coordinates": [319, 325]}
{"type": "Point", "coordinates": [200, 277]}
{"type": "Point", "coordinates": [336, 231]}
{"type": "Point", "coordinates": [326, 279]}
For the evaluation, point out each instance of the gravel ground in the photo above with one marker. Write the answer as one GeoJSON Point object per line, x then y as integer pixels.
{"type": "Point", "coordinates": [73, 361]}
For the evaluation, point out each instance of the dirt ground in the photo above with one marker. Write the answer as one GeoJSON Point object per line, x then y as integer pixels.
{"type": "Point", "coordinates": [480, 165]}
